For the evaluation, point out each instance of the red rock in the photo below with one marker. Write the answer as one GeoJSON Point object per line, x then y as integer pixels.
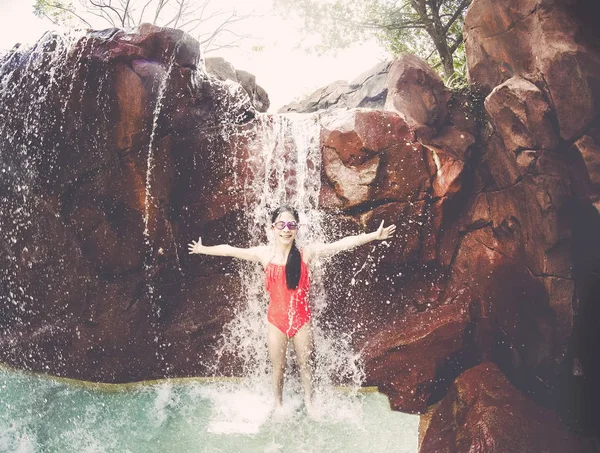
{"type": "Point", "coordinates": [417, 93]}
{"type": "Point", "coordinates": [408, 218]}
{"type": "Point", "coordinates": [369, 155]}
{"type": "Point", "coordinates": [403, 174]}
{"type": "Point", "coordinates": [539, 41]}
{"type": "Point", "coordinates": [498, 166]}
{"type": "Point", "coordinates": [483, 412]}
{"type": "Point", "coordinates": [521, 115]}
{"type": "Point", "coordinates": [352, 184]}
{"type": "Point", "coordinates": [404, 360]}
{"type": "Point", "coordinates": [358, 134]}
{"type": "Point", "coordinates": [588, 176]}
{"type": "Point", "coordinates": [464, 112]}
{"type": "Point", "coordinates": [447, 154]}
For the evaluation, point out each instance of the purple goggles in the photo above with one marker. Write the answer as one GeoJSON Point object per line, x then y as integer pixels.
{"type": "Point", "coordinates": [291, 225]}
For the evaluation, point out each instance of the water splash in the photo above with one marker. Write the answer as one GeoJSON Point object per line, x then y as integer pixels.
{"type": "Point", "coordinates": [150, 204]}
{"type": "Point", "coordinates": [25, 146]}
{"type": "Point", "coordinates": [285, 168]}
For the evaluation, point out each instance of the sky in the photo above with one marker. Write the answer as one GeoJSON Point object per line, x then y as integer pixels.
{"type": "Point", "coordinates": [272, 54]}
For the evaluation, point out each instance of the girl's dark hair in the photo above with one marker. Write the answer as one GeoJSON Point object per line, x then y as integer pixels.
{"type": "Point", "coordinates": [292, 266]}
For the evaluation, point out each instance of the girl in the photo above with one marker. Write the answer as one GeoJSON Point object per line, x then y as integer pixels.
{"type": "Point", "coordinates": [287, 282]}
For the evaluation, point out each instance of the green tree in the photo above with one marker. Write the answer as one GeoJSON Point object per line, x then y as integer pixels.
{"type": "Point", "coordinates": [212, 26]}
{"type": "Point", "coordinates": [429, 28]}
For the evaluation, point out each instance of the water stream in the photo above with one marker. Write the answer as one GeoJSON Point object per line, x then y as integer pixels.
{"type": "Point", "coordinates": [43, 414]}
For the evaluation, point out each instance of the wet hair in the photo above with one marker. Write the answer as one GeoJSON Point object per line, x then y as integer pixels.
{"type": "Point", "coordinates": [292, 265]}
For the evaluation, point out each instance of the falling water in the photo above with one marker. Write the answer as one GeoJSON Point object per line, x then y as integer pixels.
{"type": "Point", "coordinates": [25, 146]}
{"type": "Point", "coordinates": [45, 415]}
{"type": "Point", "coordinates": [286, 169]}
{"type": "Point", "coordinates": [149, 202]}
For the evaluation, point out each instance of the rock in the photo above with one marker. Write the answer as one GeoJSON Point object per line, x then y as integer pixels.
{"type": "Point", "coordinates": [521, 115]}
{"type": "Point", "coordinates": [358, 134]}
{"type": "Point", "coordinates": [587, 149]}
{"type": "Point", "coordinates": [352, 184]}
{"type": "Point", "coordinates": [417, 93]}
{"type": "Point", "coordinates": [483, 412]}
{"type": "Point", "coordinates": [405, 360]}
{"type": "Point", "coordinates": [110, 208]}
{"type": "Point", "coordinates": [464, 111]}
{"type": "Point", "coordinates": [370, 155]}
{"type": "Point", "coordinates": [223, 70]}
{"type": "Point", "coordinates": [539, 41]}
{"type": "Point", "coordinates": [368, 90]}
{"type": "Point", "coordinates": [448, 152]}
{"type": "Point", "coordinates": [258, 96]}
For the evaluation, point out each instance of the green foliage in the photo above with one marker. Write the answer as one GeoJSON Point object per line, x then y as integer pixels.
{"type": "Point", "coordinates": [458, 80]}
{"type": "Point", "coordinates": [329, 25]}
{"type": "Point", "coordinates": [59, 12]}
{"type": "Point", "coordinates": [428, 28]}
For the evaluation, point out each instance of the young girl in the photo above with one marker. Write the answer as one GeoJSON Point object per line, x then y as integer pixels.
{"type": "Point", "coordinates": [287, 282]}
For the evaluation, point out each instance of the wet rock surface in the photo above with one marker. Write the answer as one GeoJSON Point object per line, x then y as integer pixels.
{"type": "Point", "coordinates": [483, 412]}
{"type": "Point", "coordinates": [96, 150]}
{"type": "Point", "coordinates": [496, 252]}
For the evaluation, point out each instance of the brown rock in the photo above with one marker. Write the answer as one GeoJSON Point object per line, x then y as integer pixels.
{"type": "Point", "coordinates": [404, 360]}
{"type": "Point", "coordinates": [403, 174]}
{"type": "Point", "coordinates": [370, 155]}
{"type": "Point", "coordinates": [521, 115]}
{"type": "Point", "coordinates": [498, 167]}
{"type": "Point", "coordinates": [537, 40]}
{"type": "Point", "coordinates": [417, 93]}
{"type": "Point", "coordinates": [357, 134]}
{"type": "Point", "coordinates": [448, 152]}
{"type": "Point", "coordinates": [483, 412]}
{"type": "Point", "coordinates": [408, 218]}
{"type": "Point", "coordinates": [464, 112]}
{"type": "Point", "coordinates": [352, 184]}
{"type": "Point", "coordinates": [587, 148]}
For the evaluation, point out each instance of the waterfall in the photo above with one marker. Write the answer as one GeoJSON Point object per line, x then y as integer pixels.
{"type": "Point", "coordinates": [285, 168]}
{"type": "Point", "coordinates": [26, 145]}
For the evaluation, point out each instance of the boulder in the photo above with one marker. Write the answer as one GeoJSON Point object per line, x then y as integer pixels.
{"type": "Point", "coordinates": [586, 166]}
{"type": "Point", "coordinates": [368, 90]}
{"type": "Point", "coordinates": [483, 412]}
{"type": "Point", "coordinates": [538, 40]}
{"type": "Point", "coordinates": [418, 94]}
{"type": "Point", "coordinates": [521, 116]}
{"type": "Point", "coordinates": [223, 70]}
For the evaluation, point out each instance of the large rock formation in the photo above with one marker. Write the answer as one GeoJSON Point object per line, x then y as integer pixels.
{"type": "Point", "coordinates": [496, 256]}
{"type": "Point", "coordinates": [109, 147]}
{"type": "Point", "coordinates": [483, 412]}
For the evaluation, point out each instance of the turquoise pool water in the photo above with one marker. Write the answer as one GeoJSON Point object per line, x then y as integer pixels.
{"type": "Point", "coordinates": [42, 414]}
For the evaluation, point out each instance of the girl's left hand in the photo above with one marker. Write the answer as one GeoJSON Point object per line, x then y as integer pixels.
{"type": "Point", "coordinates": [385, 233]}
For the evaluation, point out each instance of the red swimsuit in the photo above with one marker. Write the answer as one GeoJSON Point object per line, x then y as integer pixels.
{"type": "Point", "coordinates": [288, 309]}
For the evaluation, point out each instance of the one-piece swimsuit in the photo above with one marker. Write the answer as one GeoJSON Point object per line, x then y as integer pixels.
{"type": "Point", "coordinates": [288, 308]}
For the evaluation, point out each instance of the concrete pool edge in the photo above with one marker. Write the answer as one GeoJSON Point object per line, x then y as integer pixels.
{"type": "Point", "coordinates": [126, 386]}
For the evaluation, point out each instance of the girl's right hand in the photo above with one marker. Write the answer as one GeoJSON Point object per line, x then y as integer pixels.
{"type": "Point", "coordinates": [195, 247]}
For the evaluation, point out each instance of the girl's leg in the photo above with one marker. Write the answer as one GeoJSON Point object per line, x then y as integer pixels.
{"type": "Point", "coordinates": [303, 345]}
{"type": "Point", "coordinates": [277, 343]}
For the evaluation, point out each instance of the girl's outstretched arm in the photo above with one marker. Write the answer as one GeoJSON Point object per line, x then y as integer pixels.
{"type": "Point", "coordinates": [349, 242]}
{"type": "Point", "coordinates": [258, 253]}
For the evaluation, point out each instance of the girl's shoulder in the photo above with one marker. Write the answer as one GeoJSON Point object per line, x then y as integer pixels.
{"type": "Point", "coordinates": [265, 253]}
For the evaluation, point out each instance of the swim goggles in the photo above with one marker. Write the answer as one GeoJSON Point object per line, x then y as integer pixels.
{"type": "Point", "coordinates": [291, 225]}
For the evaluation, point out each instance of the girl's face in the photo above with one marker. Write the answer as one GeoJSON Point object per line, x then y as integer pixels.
{"type": "Point", "coordinates": [284, 236]}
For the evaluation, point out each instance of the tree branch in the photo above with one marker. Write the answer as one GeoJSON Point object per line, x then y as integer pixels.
{"type": "Point", "coordinates": [455, 45]}
{"type": "Point", "coordinates": [456, 15]}
{"type": "Point", "coordinates": [67, 10]}
{"type": "Point", "coordinates": [108, 6]}
{"type": "Point", "coordinates": [140, 20]}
